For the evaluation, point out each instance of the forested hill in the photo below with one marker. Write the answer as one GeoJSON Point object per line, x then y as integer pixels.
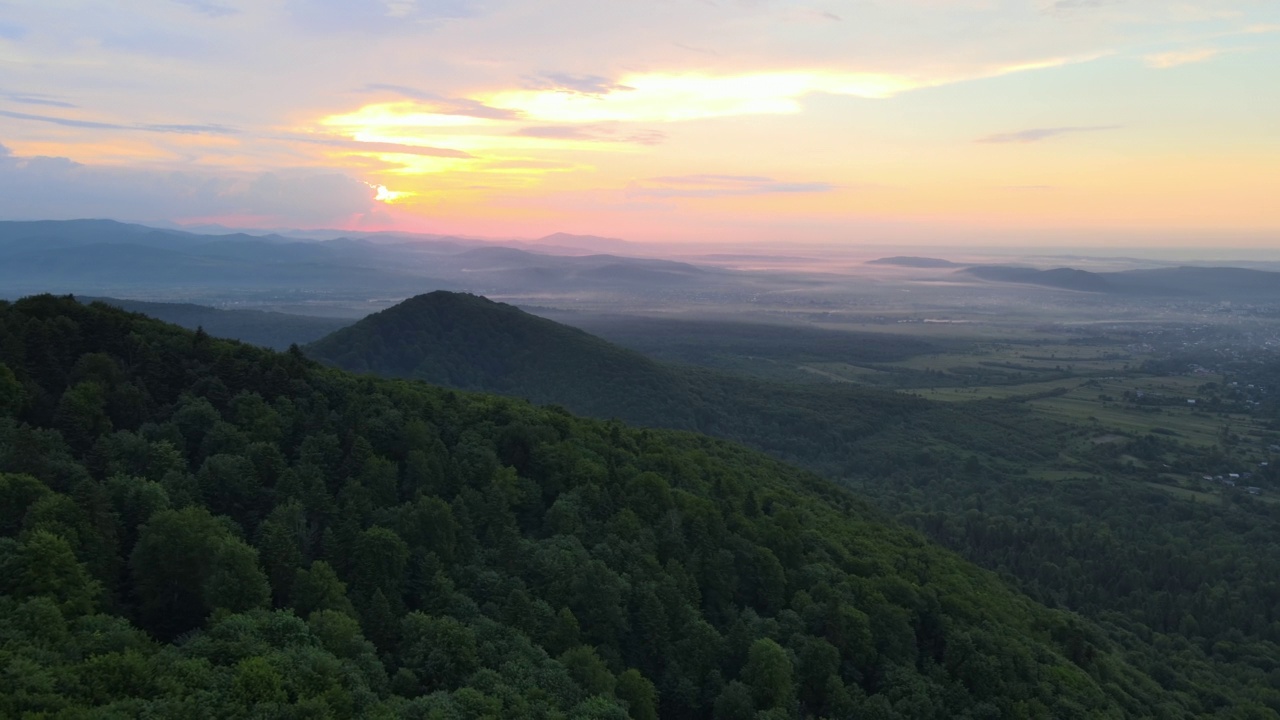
{"type": "Point", "coordinates": [472, 343]}
{"type": "Point", "coordinates": [196, 527]}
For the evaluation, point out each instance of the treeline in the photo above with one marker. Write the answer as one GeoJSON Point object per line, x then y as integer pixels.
{"type": "Point", "coordinates": [190, 526]}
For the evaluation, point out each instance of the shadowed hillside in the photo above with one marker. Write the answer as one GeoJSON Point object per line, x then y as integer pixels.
{"type": "Point", "coordinates": [472, 343]}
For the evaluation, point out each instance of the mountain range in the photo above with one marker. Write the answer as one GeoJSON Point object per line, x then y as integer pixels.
{"type": "Point", "coordinates": [1225, 283]}
{"type": "Point", "coordinates": [103, 257]}
{"type": "Point", "coordinates": [106, 258]}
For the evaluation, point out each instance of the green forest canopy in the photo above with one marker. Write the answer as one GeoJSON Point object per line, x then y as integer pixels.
{"type": "Point", "coordinates": [195, 526]}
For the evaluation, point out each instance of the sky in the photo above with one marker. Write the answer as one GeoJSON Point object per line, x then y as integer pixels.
{"type": "Point", "coordinates": [1084, 122]}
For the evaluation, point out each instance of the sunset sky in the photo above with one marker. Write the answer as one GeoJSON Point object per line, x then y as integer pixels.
{"type": "Point", "coordinates": [1141, 122]}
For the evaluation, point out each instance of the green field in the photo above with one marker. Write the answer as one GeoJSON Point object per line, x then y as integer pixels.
{"type": "Point", "coordinates": [1102, 387]}
{"type": "Point", "coordinates": [1099, 403]}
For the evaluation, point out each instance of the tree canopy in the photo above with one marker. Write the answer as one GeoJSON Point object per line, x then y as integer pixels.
{"type": "Point", "coordinates": [196, 526]}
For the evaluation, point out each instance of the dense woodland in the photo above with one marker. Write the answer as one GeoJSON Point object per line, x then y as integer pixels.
{"type": "Point", "coordinates": [1189, 589]}
{"type": "Point", "coordinates": [196, 527]}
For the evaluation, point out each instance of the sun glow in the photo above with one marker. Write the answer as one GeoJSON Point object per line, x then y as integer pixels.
{"type": "Point", "coordinates": [382, 194]}
{"type": "Point", "coordinates": [667, 97]}
{"type": "Point", "coordinates": [593, 149]}
{"type": "Point", "coordinates": [401, 115]}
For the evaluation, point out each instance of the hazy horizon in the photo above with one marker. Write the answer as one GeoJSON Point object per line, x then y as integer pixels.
{"type": "Point", "coordinates": [790, 255]}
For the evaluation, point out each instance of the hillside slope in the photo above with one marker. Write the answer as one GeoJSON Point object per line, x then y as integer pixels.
{"type": "Point", "coordinates": [472, 343]}
{"type": "Point", "coordinates": [968, 476]}
{"type": "Point", "coordinates": [190, 526]}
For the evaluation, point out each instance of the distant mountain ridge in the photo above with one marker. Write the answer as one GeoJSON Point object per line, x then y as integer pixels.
{"type": "Point", "coordinates": [912, 261]}
{"type": "Point", "coordinates": [1062, 278]}
{"type": "Point", "coordinates": [108, 258]}
{"type": "Point", "coordinates": [273, 330]}
{"type": "Point", "coordinates": [104, 257]}
{"type": "Point", "coordinates": [1228, 283]}
{"type": "Point", "coordinates": [585, 243]}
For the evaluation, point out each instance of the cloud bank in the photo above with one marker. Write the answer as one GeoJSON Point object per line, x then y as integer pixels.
{"type": "Point", "coordinates": [58, 188]}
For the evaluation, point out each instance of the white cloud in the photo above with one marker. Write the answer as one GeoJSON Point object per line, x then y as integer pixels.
{"type": "Point", "coordinates": [659, 97]}
{"type": "Point", "coordinates": [1163, 61]}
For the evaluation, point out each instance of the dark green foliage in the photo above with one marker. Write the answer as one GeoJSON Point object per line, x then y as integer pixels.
{"type": "Point", "coordinates": [17, 494]}
{"type": "Point", "coordinates": [735, 703]}
{"type": "Point", "coordinates": [639, 694]}
{"type": "Point", "coordinates": [527, 563]}
{"type": "Point", "coordinates": [188, 563]}
{"type": "Point", "coordinates": [588, 670]}
{"type": "Point", "coordinates": [439, 650]}
{"type": "Point", "coordinates": [43, 564]}
{"type": "Point", "coordinates": [768, 674]}
{"type": "Point", "coordinates": [319, 588]}
{"type": "Point", "coordinates": [12, 395]}
{"type": "Point", "coordinates": [1189, 588]}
